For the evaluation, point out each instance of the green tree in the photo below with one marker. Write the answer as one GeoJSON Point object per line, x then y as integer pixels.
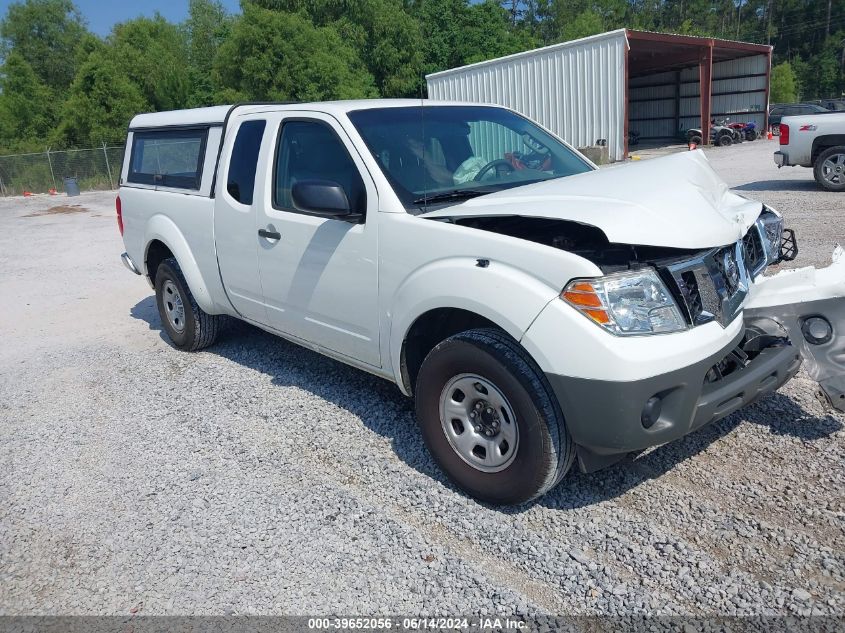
{"type": "Point", "coordinates": [389, 41]}
{"type": "Point", "coordinates": [386, 36]}
{"type": "Point", "coordinates": [584, 24]}
{"type": "Point", "coordinates": [274, 55]}
{"type": "Point", "coordinates": [206, 28]}
{"type": "Point", "coordinates": [783, 87]}
{"type": "Point", "coordinates": [152, 54]}
{"type": "Point", "coordinates": [441, 22]}
{"type": "Point", "coordinates": [27, 106]}
{"type": "Point", "coordinates": [489, 33]}
{"type": "Point", "coordinates": [456, 33]}
{"type": "Point", "coordinates": [46, 34]}
{"type": "Point", "coordinates": [828, 77]}
{"type": "Point", "coordinates": [102, 101]}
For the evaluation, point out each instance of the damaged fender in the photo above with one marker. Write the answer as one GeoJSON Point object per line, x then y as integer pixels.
{"type": "Point", "coordinates": [810, 304]}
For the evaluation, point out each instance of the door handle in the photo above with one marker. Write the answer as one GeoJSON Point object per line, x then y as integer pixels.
{"type": "Point", "coordinates": [270, 235]}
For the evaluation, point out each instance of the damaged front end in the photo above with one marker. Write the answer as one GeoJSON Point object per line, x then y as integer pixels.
{"type": "Point", "coordinates": [803, 308]}
{"type": "Point", "coordinates": [808, 306]}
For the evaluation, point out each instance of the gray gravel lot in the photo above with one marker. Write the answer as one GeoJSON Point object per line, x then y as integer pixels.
{"type": "Point", "coordinates": [258, 477]}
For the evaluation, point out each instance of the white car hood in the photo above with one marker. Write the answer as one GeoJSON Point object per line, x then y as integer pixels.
{"type": "Point", "coordinates": [674, 201]}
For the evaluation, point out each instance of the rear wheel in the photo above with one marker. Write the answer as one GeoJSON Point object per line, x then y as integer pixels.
{"type": "Point", "coordinates": [490, 419]}
{"type": "Point", "coordinates": [187, 325]}
{"type": "Point", "coordinates": [829, 168]}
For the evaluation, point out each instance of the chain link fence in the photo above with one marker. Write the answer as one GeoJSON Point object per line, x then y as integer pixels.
{"type": "Point", "coordinates": [92, 169]}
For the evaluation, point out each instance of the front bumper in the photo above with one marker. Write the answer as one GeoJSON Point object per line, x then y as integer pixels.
{"type": "Point", "coordinates": [606, 418]}
{"type": "Point", "coordinates": [781, 159]}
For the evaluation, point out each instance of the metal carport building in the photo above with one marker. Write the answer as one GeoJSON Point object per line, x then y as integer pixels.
{"type": "Point", "coordinates": [603, 86]}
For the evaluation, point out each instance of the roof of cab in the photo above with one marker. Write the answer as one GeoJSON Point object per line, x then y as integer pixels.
{"type": "Point", "coordinates": [216, 115]}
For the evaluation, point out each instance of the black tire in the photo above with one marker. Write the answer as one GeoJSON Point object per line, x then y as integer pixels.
{"type": "Point", "coordinates": [199, 328]}
{"type": "Point", "coordinates": [724, 140]}
{"type": "Point", "coordinates": [544, 452]}
{"type": "Point", "coordinates": [695, 139]}
{"type": "Point", "coordinates": [835, 181]}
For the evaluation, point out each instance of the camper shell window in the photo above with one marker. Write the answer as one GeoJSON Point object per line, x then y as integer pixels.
{"type": "Point", "coordinates": [168, 158]}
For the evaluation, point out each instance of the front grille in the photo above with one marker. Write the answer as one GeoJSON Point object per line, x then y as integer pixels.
{"type": "Point", "coordinates": [693, 295]}
{"type": "Point", "coordinates": [727, 265]}
{"type": "Point", "coordinates": [755, 255]}
{"type": "Point", "coordinates": [713, 285]}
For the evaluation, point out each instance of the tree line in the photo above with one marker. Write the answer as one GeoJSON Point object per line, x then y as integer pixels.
{"type": "Point", "coordinates": [65, 87]}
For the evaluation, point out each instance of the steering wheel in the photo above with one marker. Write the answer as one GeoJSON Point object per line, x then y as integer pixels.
{"type": "Point", "coordinates": [493, 164]}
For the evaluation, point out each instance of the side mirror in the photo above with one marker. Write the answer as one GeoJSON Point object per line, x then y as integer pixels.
{"type": "Point", "coordinates": [324, 198]}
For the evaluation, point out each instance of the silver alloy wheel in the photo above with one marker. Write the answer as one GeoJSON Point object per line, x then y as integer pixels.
{"type": "Point", "coordinates": [173, 306]}
{"type": "Point", "coordinates": [833, 169]}
{"type": "Point", "coordinates": [479, 423]}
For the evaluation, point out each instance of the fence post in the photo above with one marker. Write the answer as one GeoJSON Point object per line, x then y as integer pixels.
{"type": "Point", "coordinates": [50, 162]}
{"type": "Point", "coordinates": [108, 168]}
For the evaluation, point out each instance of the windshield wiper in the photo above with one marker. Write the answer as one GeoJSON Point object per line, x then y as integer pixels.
{"type": "Point", "coordinates": [455, 194]}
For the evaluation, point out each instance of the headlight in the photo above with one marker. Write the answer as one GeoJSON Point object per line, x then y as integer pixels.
{"type": "Point", "coordinates": [626, 303]}
{"type": "Point", "coordinates": [771, 232]}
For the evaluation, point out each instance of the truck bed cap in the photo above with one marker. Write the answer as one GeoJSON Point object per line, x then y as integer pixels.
{"type": "Point", "coordinates": [216, 115]}
{"type": "Point", "coordinates": [195, 116]}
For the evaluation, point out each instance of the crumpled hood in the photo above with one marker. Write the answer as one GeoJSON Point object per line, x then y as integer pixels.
{"type": "Point", "coordinates": [674, 201]}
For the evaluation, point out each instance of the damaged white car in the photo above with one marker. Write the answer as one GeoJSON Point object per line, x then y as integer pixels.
{"type": "Point", "coordinates": [540, 311]}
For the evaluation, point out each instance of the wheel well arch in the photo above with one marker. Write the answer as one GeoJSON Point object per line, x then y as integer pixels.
{"type": "Point", "coordinates": [429, 329]}
{"type": "Point", "coordinates": [822, 143]}
{"type": "Point", "coordinates": [157, 252]}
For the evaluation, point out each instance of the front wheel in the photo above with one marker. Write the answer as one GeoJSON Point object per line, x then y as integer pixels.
{"type": "Point", "coordinates": [725, 140]}
{"type": "Point", "coordinates": [187, 325]}
{"type": "Point", "coordinates": [829, 168]}
{"type": "Point", "coordinates": [490, 419]}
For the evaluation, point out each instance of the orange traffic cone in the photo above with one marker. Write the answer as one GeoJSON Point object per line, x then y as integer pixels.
{"type": "Point", "coordinates": [693, 146]}
{"type": "Point", "coordinates": [27, 194]}
{"type": "Point", "coordinates": [770, 136]}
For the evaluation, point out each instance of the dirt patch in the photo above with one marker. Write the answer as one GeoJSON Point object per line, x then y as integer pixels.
{"type": "Point", "coordinates": [62, 209]}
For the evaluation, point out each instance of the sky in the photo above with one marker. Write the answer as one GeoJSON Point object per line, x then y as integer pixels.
{"type": "Point", "coordinates": [101, 15]}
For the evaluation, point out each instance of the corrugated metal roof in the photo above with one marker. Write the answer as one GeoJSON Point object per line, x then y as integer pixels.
{"type": "Point", "coordinates": [703, 39]}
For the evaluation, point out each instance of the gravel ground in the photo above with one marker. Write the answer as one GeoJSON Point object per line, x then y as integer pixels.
{"type": "Point", "coordinates": [257, 477]}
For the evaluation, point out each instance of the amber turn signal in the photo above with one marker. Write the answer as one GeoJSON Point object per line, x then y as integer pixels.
{"type": "Point", "coordinates": [588, 300]}
{"type": "Point", "coordinates": [582, 296]}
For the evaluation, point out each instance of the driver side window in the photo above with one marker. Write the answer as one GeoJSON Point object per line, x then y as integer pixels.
{"type": "Point", "coordinates": [310, 150]}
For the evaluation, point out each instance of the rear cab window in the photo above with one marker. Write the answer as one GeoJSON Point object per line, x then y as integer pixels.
{"type": "Point", "coordinates": [168, 158]}
{"type": "Point", "coordinates": [240, 181]}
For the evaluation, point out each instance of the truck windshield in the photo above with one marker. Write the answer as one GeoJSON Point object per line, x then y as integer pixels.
{"type": "Point", "coordinates": [436, 155]}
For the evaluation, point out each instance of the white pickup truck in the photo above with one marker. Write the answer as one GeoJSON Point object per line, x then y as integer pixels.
{"type": "Point", "coordinates": [817, 141]}
{"type": "Point", "coordinates": [538, 309]}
